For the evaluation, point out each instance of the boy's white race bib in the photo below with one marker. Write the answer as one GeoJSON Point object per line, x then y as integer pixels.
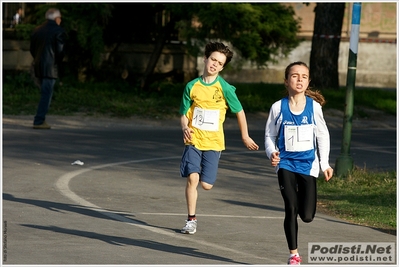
{"type": "Point", "coordinates": [206, 119]}
{"type": "Point", "coordinates": [298, 138]}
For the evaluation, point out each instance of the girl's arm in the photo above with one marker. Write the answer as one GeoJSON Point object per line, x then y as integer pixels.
{"type": "Point", "coordinates": [323, 138]}
{"type": "Point", "coordinates": [271, 130]}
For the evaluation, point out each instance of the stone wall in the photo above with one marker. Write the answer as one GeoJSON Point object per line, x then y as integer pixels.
{"type": "Point", "coordinates": [16, 55]}
{"type": "Point", "coordinates": [376, 66]}
{"type": "Point", "coordinates": [376, 63]}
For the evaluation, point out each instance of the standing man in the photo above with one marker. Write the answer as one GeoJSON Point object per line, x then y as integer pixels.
{"type": "Point", "coordinates": [46, 47]}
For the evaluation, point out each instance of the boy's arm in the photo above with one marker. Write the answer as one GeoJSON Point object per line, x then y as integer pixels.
{"type": "Point", "coordinates": [242, 123]}
{"type": "Point", "coordinates": [187, 131]}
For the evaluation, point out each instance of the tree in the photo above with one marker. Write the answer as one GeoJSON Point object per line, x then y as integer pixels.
{"type": "Point", "coordinates": [259, 32]}
{"type": "Point", "coordinates": [85, 25]}
{"type": "Point", "coordinates": [325, 45]}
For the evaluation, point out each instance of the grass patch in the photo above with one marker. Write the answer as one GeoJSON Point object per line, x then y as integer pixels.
{"type": "Point", "coordinates": [384, 100]}
{"type": "Point", "coordinates": [120, 99]}
{"type": "Point", "coordinates": [21, 97]}
{"type": "Point", "coordinates": [259, 97]}
{"type": "Point", "coordinates": [364, 198]}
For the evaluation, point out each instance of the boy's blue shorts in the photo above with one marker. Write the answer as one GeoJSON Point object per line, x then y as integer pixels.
{"type": "Point", "coordinates": [203, 162]}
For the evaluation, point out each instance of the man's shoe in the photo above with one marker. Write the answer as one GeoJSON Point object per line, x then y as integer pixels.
{"type": "Point", "coordinates": [44, 125]}
{"type": "Point", "coordinates": [190, 227]}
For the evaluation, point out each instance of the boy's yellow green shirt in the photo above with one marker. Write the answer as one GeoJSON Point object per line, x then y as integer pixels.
{"type": "Point", "coordinates": [203, 104]}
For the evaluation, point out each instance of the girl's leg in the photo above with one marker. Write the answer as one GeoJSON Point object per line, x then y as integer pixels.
{"type": "Point", "coordinates": [307, 197]}
{"type": "Point", "coordinates": [288, 187]}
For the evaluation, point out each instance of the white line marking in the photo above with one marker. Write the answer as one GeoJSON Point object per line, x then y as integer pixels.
{"type": "Point", "coordinates": [211, 215]}
{"type": "Point", "coordinates": [62, 185]}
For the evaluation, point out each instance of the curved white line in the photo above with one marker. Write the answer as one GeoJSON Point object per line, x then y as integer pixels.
{"type": "Point", "coordinates": [62, 185]}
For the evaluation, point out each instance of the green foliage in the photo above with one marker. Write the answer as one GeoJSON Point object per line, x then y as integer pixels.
{"type": "Point", "coordinates": [367, 198]}
{"type": "Point", "coordinates": [24, 31]}
{"type": "Point", "coordinates": [384, 100]}
{"type": "Point", "coordinates": [85, 23]}
{"type": "Point", "coordinates": [380, 99]}
{"type": "Point", "coordinates": [259, 32]}
{"type": "Point", "coordinates": [133, 23]}
{"type": "Point", "coordinates": [20, 96]}
{"type": "Point", "coordinates": [256, 97]}
{"type": "Point", "coordinates": [39, 11]}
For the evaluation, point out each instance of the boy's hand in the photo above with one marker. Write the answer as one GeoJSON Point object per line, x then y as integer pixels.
{"type": "Point", "coordinates": [187, 134]}
{"type": "Point", "coordinates": [250, 144]}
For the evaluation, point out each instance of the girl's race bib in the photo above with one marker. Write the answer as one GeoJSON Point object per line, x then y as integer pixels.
{"type": "Point", "coordinates": [298, 138]}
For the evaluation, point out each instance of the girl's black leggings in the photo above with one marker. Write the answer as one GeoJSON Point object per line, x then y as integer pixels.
{"type": "Point", "coordinates": [299, 192]}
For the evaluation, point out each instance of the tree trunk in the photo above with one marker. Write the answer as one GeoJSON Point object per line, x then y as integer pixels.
{"type": "Point", "coordinates": [160, 41]}
{"type": "Point", "coordinates": [325, 45]}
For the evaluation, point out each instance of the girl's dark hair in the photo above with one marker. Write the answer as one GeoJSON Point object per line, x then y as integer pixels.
{"type": "Point", "coordinates": [316, 95]}
{"type": "Point", "coordinates": [221, 48]}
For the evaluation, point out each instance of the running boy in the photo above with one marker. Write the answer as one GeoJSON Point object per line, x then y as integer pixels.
{"type": "Point", "coordinates": [297, 142]}
{"type": "Point", "coordinates": [203, 108]}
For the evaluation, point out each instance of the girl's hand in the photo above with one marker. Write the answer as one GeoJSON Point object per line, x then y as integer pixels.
{"type": "Point", "coordinates": [275, 158]}
{"type": "Point", "coordinates": [328, 174]}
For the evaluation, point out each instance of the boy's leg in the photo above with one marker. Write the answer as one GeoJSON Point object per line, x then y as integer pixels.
{"type": "Point", "coordinates": [191, 200]}
{"type": "Point", "coordinates": [209, 168]}
{"type": "Point", "coordinates": [197, 166]}
{"type": "Point", "coordinates": [192, 193]}
{"type": "Point", "coordinates": [209, 165]}
{"type": "Point", "coordinates": [190, 168]}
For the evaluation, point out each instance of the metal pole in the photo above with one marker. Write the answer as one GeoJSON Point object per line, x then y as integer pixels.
{"type": "Point", "coordinates": [344, 163]}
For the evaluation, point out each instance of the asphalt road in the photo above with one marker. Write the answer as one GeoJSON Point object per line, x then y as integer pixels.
{"type": "Point", "coordinates": [126, 204]}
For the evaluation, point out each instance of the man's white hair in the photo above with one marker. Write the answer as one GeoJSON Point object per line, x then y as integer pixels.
{"type": "Point", "coordinates": [52, 14]}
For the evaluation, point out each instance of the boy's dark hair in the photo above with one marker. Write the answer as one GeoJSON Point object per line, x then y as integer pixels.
{"type": "Point", "coordinates": [218, 47]}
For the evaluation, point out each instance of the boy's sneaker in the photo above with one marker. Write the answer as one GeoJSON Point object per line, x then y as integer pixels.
{"type": "Point", "coordinates": [294, 260]}
{"type": "Point", "coordinates": [190, 227]}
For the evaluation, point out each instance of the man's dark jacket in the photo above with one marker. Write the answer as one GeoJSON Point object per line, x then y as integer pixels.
{"type": "Point", "coordinates": [47, 49]}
